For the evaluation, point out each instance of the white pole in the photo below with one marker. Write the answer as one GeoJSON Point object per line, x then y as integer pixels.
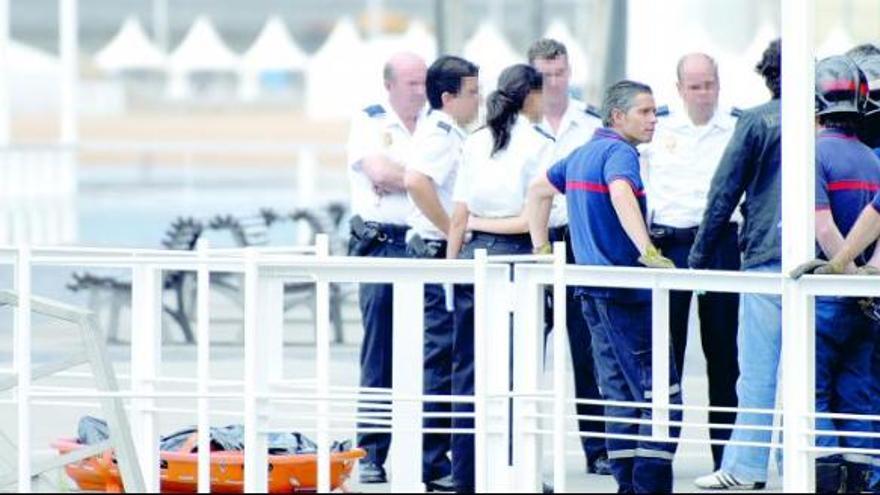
{"type": "Point", "coordinates": [660, 365]}
{"type": "Point", "coordinates": [798, 239]}
{"type": "Point", "coordinates": [5, 69]}
{"type": "Point", "coordinates": [560, 381]}
{"type": "Point", "coordinates": [23, 366]}
{"type": "Point", "coordinates": [203, 336]}
{"type": "Point", "coordinates": [322, 363]}
{"type": "Point", "coordinates": [160, 24]}
{"type": "Point", "coordinates": [255, 378]}
{"type": "Point", "coordinates": [69, 48]}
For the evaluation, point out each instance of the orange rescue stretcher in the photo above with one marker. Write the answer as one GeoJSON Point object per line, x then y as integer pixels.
{"type": "Point", "coordinates": [179, 470]}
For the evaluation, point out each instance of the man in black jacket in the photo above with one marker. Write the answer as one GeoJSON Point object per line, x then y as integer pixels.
{"type": "Point", "coordinates": [751, 165]}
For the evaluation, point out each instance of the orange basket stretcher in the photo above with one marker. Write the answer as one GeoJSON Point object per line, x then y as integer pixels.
{"type": "Point", "coordinates": [179, 470]}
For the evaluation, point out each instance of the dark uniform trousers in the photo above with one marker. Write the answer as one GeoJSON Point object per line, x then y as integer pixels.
{"type": "Point", "coordinates": [438, 366]}
{"type": "Point", "coordinates": [463, 352]}
{"type": "Point", "coordinates": [376, 304]}
{"type": "Point", "coordinates": [585, 385]}
{"type": "Point", "coordinates": [719, 323]}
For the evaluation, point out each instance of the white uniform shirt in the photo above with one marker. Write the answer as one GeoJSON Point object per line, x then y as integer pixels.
{"type": "Point", "coordinates": [679, 165]}
{"type": "Point", "coordinates": [496, 186]}
{"type": "Point", "coordinates": [436, 153]}
{"type": "Point", "coordinates": [575, 129]}
{"type": "Point", "coordinates": [377, 130]}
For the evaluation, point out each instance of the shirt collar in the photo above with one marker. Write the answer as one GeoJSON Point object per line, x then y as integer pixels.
{"type": "Point", "coordinates": [395, 120]}
{"type": "Point", "coordinates": [444, 117]}
{"type": "Point", "coordinates": [569, 119]}
{"type": "Point", "coordinates": [608, 133]}
{"type": "Point", "coordinates": [838, 134]}
{"type": "Point", "coordinates": [681, 120]}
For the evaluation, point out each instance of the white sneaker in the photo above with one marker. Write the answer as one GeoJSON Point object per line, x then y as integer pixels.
{"type": "Point", "coordinates": [720, 480]}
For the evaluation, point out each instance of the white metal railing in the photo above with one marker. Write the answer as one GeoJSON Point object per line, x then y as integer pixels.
{"type": "Point", "coordinates": [496, 298]}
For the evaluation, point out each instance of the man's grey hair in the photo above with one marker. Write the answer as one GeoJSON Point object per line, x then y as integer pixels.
{"type": "Point", "coordinates": [621, 96]}
{"type": "Point", "coordinates": [679, 69]}
{"type": "Point", "coordinates": [546, 49]}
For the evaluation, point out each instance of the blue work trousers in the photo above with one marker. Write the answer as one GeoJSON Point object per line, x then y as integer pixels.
{"type": "Point", "coordinates": [622, 349]}
{"type": "Point", "coordinates": [844, 344]}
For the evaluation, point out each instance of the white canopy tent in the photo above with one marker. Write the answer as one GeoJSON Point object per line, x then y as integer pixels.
{"type": "Point", "coordinates": [274, 50]}
{"type": "Point", "coordinates": [34, 78]}
{"type": "Point", "coordinates": [490, 50]}
{"type": "Point", "coordinates": [202, 50]}
{"type": "Point", "coordinates": [418, 39]}
{"type": "Point", "coordinates": [130, 50]}
{"type": "Point", "coordinates": [332, 70]}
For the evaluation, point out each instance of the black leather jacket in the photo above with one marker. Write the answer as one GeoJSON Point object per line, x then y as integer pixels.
{"type": "Point", "coordinates": [752, 165]}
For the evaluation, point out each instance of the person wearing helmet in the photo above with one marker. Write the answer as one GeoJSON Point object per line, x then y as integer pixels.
{"type": "Point", "coordinates": [847, 178]}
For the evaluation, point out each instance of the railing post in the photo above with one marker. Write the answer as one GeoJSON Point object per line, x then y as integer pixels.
{"type": "Point", "coordinates": [659, 365]}
{"type": "Point", "coordinates": [257, 290]}
{"type": "Point", "coordinates": [798, 239]}
{"type": "Point", "coordinates": [322, 362]}
{"type": "Point", "coordinates": [528, 352]}
{"type": "Point", "coordinates": [146, 352]}
{"type": "Point", "coordinates": [408, 343]}
{"type": "Point", "coordinates": [203, 339]}
{"type": "Point", "coordinates": [560, 381]}
{"type": "Point", "coordinates": [22, 364]}
{"type": "Point", "coordinates": [492, 302]}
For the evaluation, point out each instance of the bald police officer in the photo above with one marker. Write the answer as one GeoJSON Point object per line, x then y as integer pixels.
{"type": "Point", "coordinates": [379, 143]}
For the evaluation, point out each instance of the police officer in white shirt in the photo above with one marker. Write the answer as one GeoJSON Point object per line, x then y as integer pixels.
{"type": "Point", "coordinates": [499, 162]}
{"type": "Point", "coordinates": [678, 167]}
{"type": "Point", "coordinates": [379, 143]}
{"type": "Point", "coordinates": [454, 98]}
{"type": "Point", "coordinates": [571, 123]}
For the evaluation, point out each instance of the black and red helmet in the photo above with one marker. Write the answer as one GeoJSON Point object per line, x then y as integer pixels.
{"type": "Point", "coordinates": [870, 66]}
{"type": "Point", "coordinates": [841, 87]}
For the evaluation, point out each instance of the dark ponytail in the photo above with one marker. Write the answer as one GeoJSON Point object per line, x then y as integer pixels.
{"type": "Point", "coordinates": [503, 105]}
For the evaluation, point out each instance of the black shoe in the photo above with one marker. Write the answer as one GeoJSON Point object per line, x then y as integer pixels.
{"type": "Point", "coordinates": [600, 465]}
{"type": "Point", "coordinates": [371, 473]}
{"type": "Point", "coordinates": [444, 484]}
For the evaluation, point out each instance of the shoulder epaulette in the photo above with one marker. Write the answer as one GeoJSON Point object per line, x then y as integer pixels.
{"type": "Point", "coordinates": [736, 112]}
{"type": "Point", "coordinates": [663, 111]}
{"type": "Point", "coordinates": [374, 111]}
{"type": "Point", "coordinates": [544, 133]}
{"type": "Point", "coordinates": [593, 111]}
{"type": "Point", "coordinates": [446, 127]}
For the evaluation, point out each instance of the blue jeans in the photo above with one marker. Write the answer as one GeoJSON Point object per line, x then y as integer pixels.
{"type": "Point", "coordinates": [874, 389]}
{"type": "Point", "coordinates": [844, 344]}
{"type": "Point", "coordinates": [621, 335]}
{"type": "Point", "coordinates": [760, 343]}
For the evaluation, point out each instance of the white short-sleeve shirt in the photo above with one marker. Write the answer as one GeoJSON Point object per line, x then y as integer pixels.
{"type": "Point", "coordinates": [377, 130]}
{"type": "Point", "coordinates": [436, 153]}
{"type": "Point", "coordinates": [679, 164]}
{"type": "Point", "coordinates": [575, 129]}
{"type": "Point", "coordinates": [496, 186]}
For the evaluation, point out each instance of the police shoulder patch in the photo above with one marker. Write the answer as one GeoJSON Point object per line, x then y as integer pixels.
{"type": "Point", "coordinates": [663, 111]}
{"type": "Point", "coordinates": [374, 111]}
{"type": "Point", "coordinates": [593, 111]}
{"type": "Point", "coordinates": [736, 112]}
{"type": "Point", "coordinates": [444, 126]}
{"type": "Point", "coordinates": [544, 133]}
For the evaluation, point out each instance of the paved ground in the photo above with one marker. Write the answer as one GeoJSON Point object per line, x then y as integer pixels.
{"type": "Point", "coordinates": [53, 421]}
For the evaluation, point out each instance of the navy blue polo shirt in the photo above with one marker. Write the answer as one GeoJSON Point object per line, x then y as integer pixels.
{"type": "Point", "coordinates": [847, 178]}
{"type": "Point", "coordinates": [597, 235]}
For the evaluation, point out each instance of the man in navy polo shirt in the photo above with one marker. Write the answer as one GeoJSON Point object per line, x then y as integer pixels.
{"type": "Point", "coordinates": [606, 208]}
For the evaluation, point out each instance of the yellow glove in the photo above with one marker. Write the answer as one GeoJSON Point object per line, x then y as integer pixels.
{"type": "Point", "coordinates": [653, 258]}
{"type": "Point", "coordinates": [545, 248]}
{"type": "Point", "coordinates": [818, 267]}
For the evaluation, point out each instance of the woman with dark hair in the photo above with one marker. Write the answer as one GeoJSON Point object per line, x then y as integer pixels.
{"type": "Point", "coordinates": [498, 163]}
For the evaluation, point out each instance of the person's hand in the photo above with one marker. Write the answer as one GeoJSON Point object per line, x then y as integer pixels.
{"type": "Point", "coordinates": [868, 270]}
{"type": "Point", "coordinates": [653, 258]}
{"type": "Point", "coordinates": [871, 308]}
{"type": "Point", "coordinates": [545, 248]}
{"type": "Point", "coordinates": [818, 267]}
